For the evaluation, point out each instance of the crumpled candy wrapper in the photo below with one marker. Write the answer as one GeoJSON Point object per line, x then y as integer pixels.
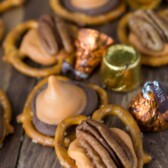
{"type": "Point", "coordinates": [150, 107]}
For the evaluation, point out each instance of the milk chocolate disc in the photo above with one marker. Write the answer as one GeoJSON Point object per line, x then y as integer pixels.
{"type": "Point", "coordinates": [1, 122]}
{"type": "Point", "coordinates": [110, 5]}
{"type": "Point", "coordinates": [92, 104]}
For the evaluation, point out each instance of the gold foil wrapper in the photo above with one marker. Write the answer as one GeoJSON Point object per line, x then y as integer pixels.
{"type": "Point", "coordinates": [147, 114]}
{"type": "Point", "coordinates": [121, 69]}
{"type": "Point", "coordinates": [91, 46]}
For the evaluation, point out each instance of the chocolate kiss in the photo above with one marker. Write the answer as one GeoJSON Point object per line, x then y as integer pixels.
{"type": "Point", "coordinates": [34, 49]}
{"type": "Point", "coordinates": [59, 100]}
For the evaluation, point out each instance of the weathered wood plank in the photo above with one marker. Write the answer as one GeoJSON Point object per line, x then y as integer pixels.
{"type": "Point", "coordinates": [17, 91]}
{"type": "Point", "coordinates": [17, 87]}
{"type": "Point", "coordinates": [33, 155]}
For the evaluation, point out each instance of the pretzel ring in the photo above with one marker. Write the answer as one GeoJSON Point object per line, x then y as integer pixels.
{"type": "Point", "coordinates": [26, 117]}
{"type": "Point", "coordinates": [60, 148]}
{"type": "Point", "coordinates": [83, 19]}
{"type": "Point", "coordinates": [123, 37]}
{"type": "Point", "coordinates": [132, 126]}
{"type": "Point", "coordinates": [4, 102]}
{"type": "Point", "coordinates": [126, 118]}
{"type": "Point", "coordinates": [15, 57]}
{"type": "Point", "coordinates": [143, 4]}
{"type": "Point", "coordinates": [7, 4]}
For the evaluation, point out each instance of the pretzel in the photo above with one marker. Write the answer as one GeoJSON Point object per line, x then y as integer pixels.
{"type": "Point", "coordinates": [123, 37]}
{"type": "Point", "coordinates": [83, 19]}
{"type": "Point", "coordinates": [26, 117]}
{"type": "Point", "coordinates": [4, 102]}
{"type": "Point", "coordinates": [7, 4]}
{"type": "Point", "coordinates": [15, 57]}
{"type": "Point", "coordinates": [106, 110]}
{"type": "Point", "coordinates": [143, 4]}
{"type": "Point", "coordinates": [60, 148]}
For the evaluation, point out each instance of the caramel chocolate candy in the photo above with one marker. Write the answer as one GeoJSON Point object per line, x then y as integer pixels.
{"type": "Point", "coordinates": [150, 107]}
{"type": "Point", "coordinates": [48, 129]}
{"type": "Point", "coordinates": [104, 146]}
{"type": "Point", "coordinates": [97, 9]}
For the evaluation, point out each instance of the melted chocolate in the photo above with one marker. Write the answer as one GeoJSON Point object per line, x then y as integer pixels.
{"type": "Point", "coordinates": [109, 6]}
{"type": "Point", "coordinates": [92, 104]}
{"type": "Point", "coordinates": [1, 122]}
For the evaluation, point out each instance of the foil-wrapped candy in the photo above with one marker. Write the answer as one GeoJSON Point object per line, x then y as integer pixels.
{"type": "Point", "coordinates": [91, 45]}
{"type": "Point", "coordinates": [150, 107]}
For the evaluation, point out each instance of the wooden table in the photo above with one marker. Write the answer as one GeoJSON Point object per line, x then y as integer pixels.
{"type": "Point", "coordinates": [18, 150]}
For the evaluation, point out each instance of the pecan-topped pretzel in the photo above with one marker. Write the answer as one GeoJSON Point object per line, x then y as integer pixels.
{"type": "Point", "coordinates": [54, 99]}
{"type": "Point", "coordinates": [46, 42]}
{"type": "Point", "coordinates": [98, 146]}
{"type": "Point", "coordinates": [82, 13]}
{"type": "Point", "coordinates": [5, 117]}
{"type": "Point", "coordinates": [147, 31]}
{"type": "Point", "coordinates": [7, 4]}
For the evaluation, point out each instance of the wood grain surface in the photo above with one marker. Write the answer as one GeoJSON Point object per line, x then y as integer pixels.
{"type": "Point", "coordinates": [18, 150]}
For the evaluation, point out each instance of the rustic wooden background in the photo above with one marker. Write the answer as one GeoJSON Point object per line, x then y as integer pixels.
{"type": "Point", "coordinates": [18, 150]}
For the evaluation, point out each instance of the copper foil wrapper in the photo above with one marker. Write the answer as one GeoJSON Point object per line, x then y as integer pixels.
{"type": "Point", "coordinates": [147, 113]}
{"type": "Point", "coordinates": [91, 46]}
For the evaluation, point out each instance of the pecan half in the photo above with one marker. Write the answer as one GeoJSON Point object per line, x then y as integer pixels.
{"type": "Point", "coordinates": [55, 35]}
{"type": "Point", "coordinates": [146, 33]}
{"type": "Point", "coordinates": [47, 35]}
{"type": "Point", "coordinates": [158, 22]}
{"type": "Point", "coordinates": [142, 14]}
{"type": "Point", "coordinates": [103, 146]}
{"type": "Point", "coordinates": [150, 28]}
{"type": "Point", "coordinates": [164, 16]}
{"type": "Point", "coordinates": [64, 33]}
